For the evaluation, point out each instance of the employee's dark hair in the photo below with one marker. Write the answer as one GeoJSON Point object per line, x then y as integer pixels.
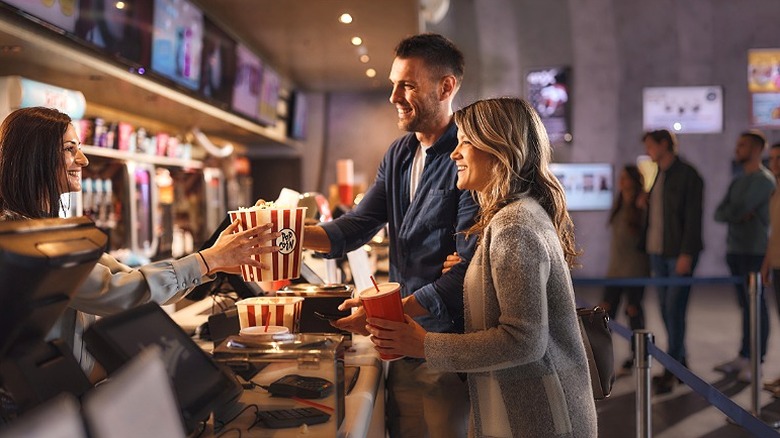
{"type": "Point", "coordinates": [756, 137]}
{"type": "Point", "coordinates": [663, 135]}
{"type": "Point", "coordinates": [437, 51]}
{"type": "Point", "coordinates": [31, 161]}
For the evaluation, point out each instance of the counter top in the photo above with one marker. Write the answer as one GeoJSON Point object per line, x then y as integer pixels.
{"type": "Point", "coordinates": [363, 405]}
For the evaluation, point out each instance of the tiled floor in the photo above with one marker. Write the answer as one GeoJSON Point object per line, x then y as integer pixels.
{"type": "Point", "coordinates": [713, 337]}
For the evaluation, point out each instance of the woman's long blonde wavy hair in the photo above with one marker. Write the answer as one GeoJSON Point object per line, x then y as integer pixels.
{"type": "Point", "coordinates": [510, 130]}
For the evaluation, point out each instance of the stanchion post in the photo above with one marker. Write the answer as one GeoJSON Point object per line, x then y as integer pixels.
{"type": "Point", "coordinates": [642, 364]}
{"type": "Point", "coordinates": [754, 293]}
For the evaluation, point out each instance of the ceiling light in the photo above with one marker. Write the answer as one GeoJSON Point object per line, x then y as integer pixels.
{"type": "Point", "coordinates": [356, 41]}
{"type": "Point", "coordinates": [120, 5]}
{"type": "Point", "coordinates": [370, 72]}
{"type": "Point", "coordinates": [10, 49]}
{"type": "Point", "coordinates": [364, 58]}
{"type": "Point", "coordinates": [345, 18]}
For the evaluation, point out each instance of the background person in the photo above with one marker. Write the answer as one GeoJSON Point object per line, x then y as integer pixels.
{"type": "Point", "coordinates": [770, 268]}
{"type": "Point", "coordinates": [527, 371]}
{"type": "Point", "coordinates": [745, 209]}
{"type": "Point", "coordinates": [672, 238]}
{"type": "Point", "coordinates": [415, 194]}
{"type": "Point", "coordinates": [626, 259]}
{"type": "Point", "coordinates": [40, 159]}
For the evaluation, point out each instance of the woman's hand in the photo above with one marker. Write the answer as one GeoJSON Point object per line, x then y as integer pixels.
{"type": "Point", "coordinates": [234, 249]}
{"type": "Point", "coordinates": [452, 260]}
{"type": "Point", "coordinates": [390, 337]}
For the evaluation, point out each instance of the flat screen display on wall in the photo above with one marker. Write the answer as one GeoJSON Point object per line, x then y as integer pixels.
{"type": "Point", "coordinates": [269, 97]}
{"type": "Point", "coordinates": [177, 41]}
{"type": "Point", "coordinates": [218, 64]}
{"type": "Point", "coordinates": [588, 186]}
{"type": "Point", "coordinates": [548, 90]}
{"type": "Point", "coordinates": [764, 87]}
{"type": "Point", "coordinates": [246, 89]}
{"type": "Point", "coordinates": [683, 110]}
{"type": "Point", "coordinates": [60, 14]}
{"type": "Point", "coordinates": [121, 32]}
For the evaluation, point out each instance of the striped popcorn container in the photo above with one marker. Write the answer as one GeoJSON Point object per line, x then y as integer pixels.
{"type": "Point", "coordinates": [286, 263]}
{"type": "Point", "coordinates": [261, 311]}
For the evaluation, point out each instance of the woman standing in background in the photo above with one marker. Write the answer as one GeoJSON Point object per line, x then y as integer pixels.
{"type": "Point", "coordinates": [626, 259]}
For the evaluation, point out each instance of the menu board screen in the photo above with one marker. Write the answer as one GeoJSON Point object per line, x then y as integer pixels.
{"type": "Point", "coordinates": [684, 110]}
{"type": "Point", "coordinates": [269, 96]}
{"type": "Point", "coordinates": [121, 32]}
{"type": "Point", "coordinates": [177, 41]}
{"type": "Point", "coordinates": [62, 14]}
{"type": "Point", "coordinates": [588, 186]}
{"type": "Point", "coordinates": [218, 64]}
{"type": "Point", "coordinates": [246, 89]}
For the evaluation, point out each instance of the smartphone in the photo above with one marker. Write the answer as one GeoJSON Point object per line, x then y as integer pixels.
{"type": "Point", "coordinates": [327, 316]}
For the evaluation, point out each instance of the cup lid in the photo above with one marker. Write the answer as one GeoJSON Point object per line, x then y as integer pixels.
{"type": "Point", "coordinates": [384, 289]}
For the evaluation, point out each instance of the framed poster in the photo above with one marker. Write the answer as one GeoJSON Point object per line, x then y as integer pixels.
{"type": "Point", "coordinates": [548, 90]}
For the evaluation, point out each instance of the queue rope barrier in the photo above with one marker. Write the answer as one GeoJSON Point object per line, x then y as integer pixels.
{"type": "Point", "coordinates": [737, 414]}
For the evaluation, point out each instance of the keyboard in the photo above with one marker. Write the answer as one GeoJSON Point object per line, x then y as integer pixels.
{"type": "Point", "coordinates": [294, 417]}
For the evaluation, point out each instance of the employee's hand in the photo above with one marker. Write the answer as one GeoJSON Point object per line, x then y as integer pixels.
{"type": "Point", "coordinates": [452, 260]}
{"type": "Point", "coordinates": [390, 337]}
{"type": "Point", "coordinates": [355, 323]}
{"type": "Point", "coordinates": [234, 249]}
{"type": "Point", "coordinates": [684, 264]}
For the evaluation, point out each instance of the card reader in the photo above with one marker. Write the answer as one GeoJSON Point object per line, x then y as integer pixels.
{"type": "Point", "coordinates": [295, 385]}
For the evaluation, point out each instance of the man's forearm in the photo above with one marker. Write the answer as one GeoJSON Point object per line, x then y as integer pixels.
{"type": "Point", "coordinates": [315, 238]}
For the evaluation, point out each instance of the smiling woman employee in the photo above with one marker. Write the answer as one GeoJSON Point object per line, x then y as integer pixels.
{"type": "Point", "coordinates": [522, 350]}
{"type": "Point", "coordinates": [40, 159]}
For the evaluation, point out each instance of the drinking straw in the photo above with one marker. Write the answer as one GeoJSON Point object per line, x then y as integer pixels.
{"type": "Point", "coordinates": [267, 323]}
{"type": "Point", "coordinates": [374, 281]}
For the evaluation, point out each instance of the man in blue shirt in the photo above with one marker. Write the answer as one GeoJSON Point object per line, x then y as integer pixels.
{"type": "Point", "coordinates": [415, 193]}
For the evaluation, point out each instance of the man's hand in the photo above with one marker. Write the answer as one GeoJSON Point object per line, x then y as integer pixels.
{"type": "Point", "coordinates": [684, 264]}
{"type": "Point", "coordinates": [355, 323]}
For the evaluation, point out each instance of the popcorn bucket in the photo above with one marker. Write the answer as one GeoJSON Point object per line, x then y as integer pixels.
{"type": "Point", "coordinates": [281, 311]}
{"type": "Point", "coordinates": [286, 263]}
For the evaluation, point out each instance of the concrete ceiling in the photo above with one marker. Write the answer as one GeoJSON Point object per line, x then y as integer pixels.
{"type": "Point", "coordinates": [305, 42]}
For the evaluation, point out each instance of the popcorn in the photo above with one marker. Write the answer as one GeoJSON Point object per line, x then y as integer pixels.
{"type": "Point", "coordinates": [286, 263]}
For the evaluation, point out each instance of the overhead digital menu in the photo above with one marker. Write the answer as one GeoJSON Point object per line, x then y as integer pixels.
{"type": "Point", "coordinates": [246, 90]}
{"type": "Point", "coordinates": [177, 41]}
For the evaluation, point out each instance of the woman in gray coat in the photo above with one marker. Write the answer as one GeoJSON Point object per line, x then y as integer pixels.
{"type": "Point", "coordinates": [522, 350]}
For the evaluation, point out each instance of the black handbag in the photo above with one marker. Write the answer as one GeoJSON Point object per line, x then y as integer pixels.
{"type": "Point", "coordinates": [597, 338]}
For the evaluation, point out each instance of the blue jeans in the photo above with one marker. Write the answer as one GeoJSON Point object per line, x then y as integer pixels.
{"type": "Point", "coordinates": [741, 265]}
{"type": "Point", "coordinates": [674, 304]}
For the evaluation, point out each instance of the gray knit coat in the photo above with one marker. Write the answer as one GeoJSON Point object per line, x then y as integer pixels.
{"type": "Point", "coordinates": [522, 350]}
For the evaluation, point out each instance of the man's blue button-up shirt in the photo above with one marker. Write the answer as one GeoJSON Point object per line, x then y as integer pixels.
{"type": "Point", "coordinates": [422, 232]}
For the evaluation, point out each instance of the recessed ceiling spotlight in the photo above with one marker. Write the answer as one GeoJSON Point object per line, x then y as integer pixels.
{"type": "Point", "coordinates": [356, 41]}
{"type": "Point", "coordinates": [120, 5]}
{"type": "Point", "coordinates": [345, 18]}
{"type": "Point", "coordinates": [371, 73]}
{"type": "Point", "coordinates": [364, 58]}
{"type": "Point", "coordinates": [10, 49]}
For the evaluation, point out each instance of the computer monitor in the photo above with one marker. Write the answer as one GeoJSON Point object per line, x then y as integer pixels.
{"type": "Point", "coordinates": [42, 263]}
{"type": "Point", "coordinates": [140, 390]}
{"type": "Point", "coordinates": [200, 384]}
